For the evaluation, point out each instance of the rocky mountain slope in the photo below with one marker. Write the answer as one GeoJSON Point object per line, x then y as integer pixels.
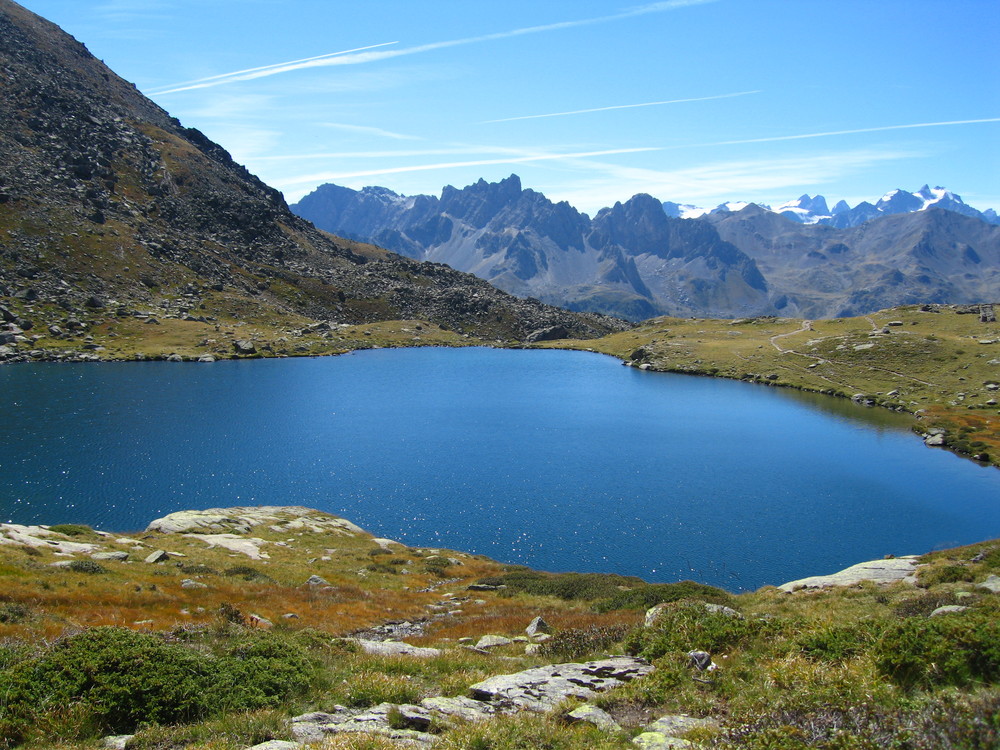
{"type": "Point", "coordinates": [109, 205]}
{"type": "Point", "coordinates": [816, 271]}
{"type": "Point", "coordinates": [630, 260]}
{"type": "Point", "coordinates": [637, 261]}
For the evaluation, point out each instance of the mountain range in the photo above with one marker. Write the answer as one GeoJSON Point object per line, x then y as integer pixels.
{"type": "Point", "coordinates": [108, 205]}
{"type": "Point", "coordinates": [640, 258]}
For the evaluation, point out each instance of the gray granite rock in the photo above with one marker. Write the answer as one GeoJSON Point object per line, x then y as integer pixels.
{"type": "Point", "coordinates": [116, 741]}
{"type": "Point", "coordinates": [537, 626]}
{"type": "Point", "coordinates": [157, 557]}
{"type": "Point", "coordinates": [117, 556]}
{"type": "Point", "coordinates": [948, 609]}
{"type": "Point", "coordinates": [277, 745]}
{"type": "Point", "coordinates": [492, 641]}
{"type": "Point", "coordinates": [462, 708]}
{"type": "Point", "coordinates": [395, 648]}
{"type": "Point", "coordinates": [593, 715]}
{"type": "Point", "coordinates": [879, 571]}
{"type": "Point", "coordinates": [541, 688]}
{"type": "Point", "coordinates": [316, 726]}
{"type": "Point", "coordinates": [992, 584]}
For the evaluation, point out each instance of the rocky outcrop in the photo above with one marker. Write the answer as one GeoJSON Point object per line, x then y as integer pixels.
{"type": "Point", "coordinates": [889, 570]}
{"type": "Point", "coordinates": [542, 688]}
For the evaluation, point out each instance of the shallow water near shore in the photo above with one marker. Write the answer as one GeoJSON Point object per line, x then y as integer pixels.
{"type": "Point", "coordinates": [556, 460]}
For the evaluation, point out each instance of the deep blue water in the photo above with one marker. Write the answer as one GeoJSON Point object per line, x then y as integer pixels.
{"type": "Point", "coordinates": [557, 460]}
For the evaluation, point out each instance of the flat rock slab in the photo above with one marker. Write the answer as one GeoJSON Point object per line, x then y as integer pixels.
{"type": "Point", "coordinates": [992, 584]}
{"type": "Point", "coordinates": [878, 571]}
{"type": "Point", "coordinates": [42, 537]}
{"type": "Point", "coordinates": [249, 546]}
{"type": "Point", "coordinates": [317, 726]}
{"type": "Point", "coordinates": [542, 688]}
{"type": "Point", "coordinates": [241, 519]}
{"type": "Point", "coordinates": [395, 648]}
{"type": "Point", "coordinates": [666, 732]}
{"type": "Point", "coordinates": [277, 745]}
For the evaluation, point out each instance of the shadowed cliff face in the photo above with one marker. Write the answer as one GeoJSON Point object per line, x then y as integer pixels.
{"type": "Point", "coordinates": [105, 197]}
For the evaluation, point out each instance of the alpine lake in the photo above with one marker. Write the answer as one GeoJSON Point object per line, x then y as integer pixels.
{"type": "Point", "coordinates": [562, 461]}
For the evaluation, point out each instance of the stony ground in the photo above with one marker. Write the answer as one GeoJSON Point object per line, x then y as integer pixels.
{"type": "Point", "coordinates": [409, 647]}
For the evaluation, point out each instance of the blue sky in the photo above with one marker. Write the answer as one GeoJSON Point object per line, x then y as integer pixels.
{"type": "Point", "coordinates": [695, 101]}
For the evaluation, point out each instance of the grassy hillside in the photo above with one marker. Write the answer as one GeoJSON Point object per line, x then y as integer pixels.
{"type": "Point", "coordinates": [219, 646]}
{"type": "Point", "coordinates": [938, 362]}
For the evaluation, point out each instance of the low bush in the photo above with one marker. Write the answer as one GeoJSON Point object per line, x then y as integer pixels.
{"type": "Point", "coordinates": [686, 626]}
{"type": "Point", "coordinates": [567, 586]}
{"type": "Point", "coordinates": [72, 529]}
{"type": "Point", "coordinates": [644, 597]}
{"type": "Point", "coordinates": [935, 574]}
{"type": "Point", "coordinates": [87, 566]}
{"type": "Point", "coordinates": [116, 679]}
{"type": "Point", "coordinates": [574, 643]}
{"type": "Point", "coordinates": [839, 642]}
{"type": "Point", "coordinates": [956, 649]}
{"type": "Point", "coordinates": [247, 573]}
{"type": "Point", "coordinates": [14, 612]}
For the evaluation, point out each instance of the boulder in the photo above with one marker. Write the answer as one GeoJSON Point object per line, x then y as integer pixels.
{"type": "Point", "coordinates": [157, 557]}
{"type": "Point", "coordinates": [542, 688]}
{"type": "Point", "coordinates": [992, 584]}
{"type": "Point", "coordinates": [593, 715]}
{"type": "Point", "coordinates": [948, 609]}
{"type": "Point", "coordinates": [244, 346]}
{"type": "Point", "coordinates": [667, 731]}
{"type": "Point", "coordinates": [492, 641]}
{"type": "Point", "coordinates": [116, 741]}
{"type": "Point", "coordinates": [395, 648]}
{"type": "Point", "coordinates": [537, 626]}
{"type": "Point", "coordinates": [189, 583]}
{"type": "Point", "coordinates": [277, 745]}
{"type": "Point", "coordinates": [461, 708]}
{"type": "Point", "coordinates": [700, 660]}
{"type": "Point", "coordinates": [315, 580]}
{"type": "Point", "coordinates": [117, 556]}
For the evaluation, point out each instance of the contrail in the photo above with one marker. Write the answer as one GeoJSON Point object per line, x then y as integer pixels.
{"type": "Point", "coordinates": [449, 165]}
{"type": "Point", "coordinates": [621, 106]}
{"type": "Point", "coordinates": [848, 132]}
{"type": "Point", "coordinates": [261, 72]}
{"type": "Point", "coordinates": [362, 55]}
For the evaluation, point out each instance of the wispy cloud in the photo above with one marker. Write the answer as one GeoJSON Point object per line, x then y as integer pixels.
{"type": "Point", "coordinates": [264, 70]}
{"type": "Point", "coordinates": [366, 55]}
{"type": "Point", "coordinates": [828, 133]}
{"type": "Point", "coordinates": [621, 106]}
{"type": "Point", "coordinates": [369, 130]}
{"type": "Point", "coordinates": [327, 176]}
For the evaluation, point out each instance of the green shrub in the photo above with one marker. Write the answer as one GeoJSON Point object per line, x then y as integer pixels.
{"type": "Point", "coordinates": [838, 643]}
{"type": "Point", "coordinates": [72, 529]}
{"type": "Point", "coordinates": [686, 626]}
{"type": "Point", "coordinates": [116, 679]}
{"type": "Point", "coordinates": [574, 643]}
{"type": "Point", "coordinates": [87, 566]}
{"type": "Point", "coordinates": [13, 612]}
{"type": "Point", "coordinates": [644, 597]}
{"type": "Point", "coordinates": [568, 586]}
{"type": "Point", "coordinates": [923, 605]}
{"type": "Point", "coordinates": [247, 573]}
{"type": "Point", "coordinates": [198, 569]}
{"type": "Point", "coordinates": [956, 649]}
{"type": "Point", "coordinates": [933, 575]}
